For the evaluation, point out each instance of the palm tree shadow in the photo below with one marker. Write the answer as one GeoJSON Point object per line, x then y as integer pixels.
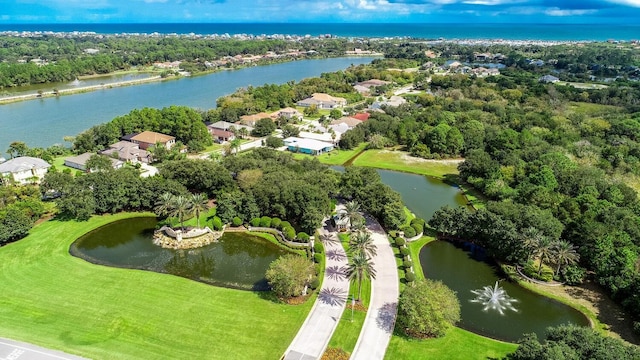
{"type": "Point", "coordinates": [336, 255]}
{"type": "Point", "coordinates": [333, 296]}
{"type": "Point", "coordinates": [386, 318]}
{"type": "Point", "coordinates": [336, 273]}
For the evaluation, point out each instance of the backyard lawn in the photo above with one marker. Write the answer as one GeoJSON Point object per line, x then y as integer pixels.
{"type": "Point", "coordinates": [58, 301]}
{"type": "Point", "coordinates": [335, 157]}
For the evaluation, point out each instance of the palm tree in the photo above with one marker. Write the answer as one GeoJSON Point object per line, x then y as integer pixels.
{"type": "Point", "coordinates": [243, 132]}
{"type": "Point", "coordinates": [564, 253]}
{"type": "Point", "coordinates": [199, 203]}
{"type": "Point", "coordinates": [359, 269]}
{"type": "Point", "coordinates": [531, 237]}
{"type": "Point", "coordinates": [352, 211]}
{"type": "Point", "coordinates": [180, 206]}
{"type": "Point", "coordinates": [235, 145]}
{"type": "Point", "coordinates": [361, 242]}
{"type": "Point", "coordinates": [163, 205]}
{"type": "Point", "coordinates": [544, 251]}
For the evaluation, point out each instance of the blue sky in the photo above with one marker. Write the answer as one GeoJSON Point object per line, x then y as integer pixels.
{"type": "Point", "coordinates": [353, 11]}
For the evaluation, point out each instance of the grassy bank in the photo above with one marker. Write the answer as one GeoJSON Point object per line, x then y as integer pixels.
{"type": "Point", "coordinates": [402, 161]}
{"type": "Point", "coordinates": [58, 301]}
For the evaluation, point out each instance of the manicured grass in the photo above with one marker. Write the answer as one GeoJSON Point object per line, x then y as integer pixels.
{"type": "Point", "coordinates": [55, 300]}
{"type": "Point", "coordinates": [402, 161]}
{"type": "Point", "coordinates": [457, 344]}
{"type": "Point", "coordinates": [408, 216]}
{"type": "Point", "coordinates": [335, 157]}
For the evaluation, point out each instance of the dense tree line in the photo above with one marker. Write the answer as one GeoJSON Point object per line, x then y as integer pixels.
{"type": "Point", "coordinates": [184, 123]}
{"type": "Point", "coordinates": [66, 58]}
{"type": "Point", "coordinates": [20, 207]}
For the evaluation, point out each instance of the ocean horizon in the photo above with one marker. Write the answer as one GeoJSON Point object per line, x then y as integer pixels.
{"type": "Point", "coordinates": [545, 32]}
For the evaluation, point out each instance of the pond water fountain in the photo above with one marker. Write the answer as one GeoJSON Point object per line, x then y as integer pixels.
{"type": "Point", "coordinates": [494, 298]}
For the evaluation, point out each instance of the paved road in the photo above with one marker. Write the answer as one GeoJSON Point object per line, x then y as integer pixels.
{"type": "Point", "coordinates": [316, 331]}
{"type": "Point", "coordinates": [381, 316]}
{"type": "Point", "coordinates": [15, 350]}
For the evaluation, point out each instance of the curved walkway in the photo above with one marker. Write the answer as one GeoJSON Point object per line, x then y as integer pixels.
{"type": "Point", "coordinates": [316, 331]}
{"type": "Point", "coordinates": [14, 350]}
{"type": "Point", "coordinates": [381, 316]}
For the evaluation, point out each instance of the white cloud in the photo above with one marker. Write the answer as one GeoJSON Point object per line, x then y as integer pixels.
{"type": "Point", "coordinates": [568, 12]}
{"type": "Point", "coordinates": [635, 3]}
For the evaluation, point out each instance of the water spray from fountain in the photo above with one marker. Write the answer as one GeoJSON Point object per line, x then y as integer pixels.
{"type": "Point", "coordinates": [494, 298]}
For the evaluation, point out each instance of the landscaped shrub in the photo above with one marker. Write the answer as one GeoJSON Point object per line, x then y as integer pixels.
{"type": "Point", "coordinates": [237, 221]}
{"type": "Point", "coordinates": [315, 283]}
{"type": "Point", "coordinates": [303, 237]}
{"type": "Point", "coordinates": [418, 228]}
{"type": "Point", "coordinates": [265, 221]}
{"type": "Point", "coordinates": [317, 258]}
{"type": "Point", "coordinates": [393, 233]}
{"type": "Point", "coordinates": [531, 270]}
{"type": "Point", "coordinates": [216, 223]}
{"type": "Point", "coordinates": [573, 274]}
{"type": "Point", "coordinates": [288, 275]}
{"type": "Point", "coordinates": [404, 251]}
{"type": "Point", "coordinates": [419, 221]}
{"type": "Point", "coordinates": [255, 222]}
{"type": "Point", "coordinates": [427, 309]}
{"type": "Point", "coordinates": [318, 247]}
{"type": "Point", "coordinates": [407, 264]}
{"type": "Point", "coordinates": [400, 241]}
{"type": "Point", "coordinates": [275, 222]}
{"type": "Point", "coordinates": [409, 232]}
{"type": "Point", "coordinates": [284, 225]}
{"type": "Point", "coordinates": [289, 233]}
{"type": "Point", "coordinates": [409, 276]}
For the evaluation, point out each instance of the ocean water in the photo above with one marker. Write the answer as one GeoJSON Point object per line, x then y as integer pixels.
{"type": "Point", "coordinates": [549, 32]}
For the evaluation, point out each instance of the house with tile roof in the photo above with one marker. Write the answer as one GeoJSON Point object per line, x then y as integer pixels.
{"type": "Point", "coordinates": [127, 152]}
{"type": "Point", "coordinates": [147, 139]}
{"type": "Point", "coordinates": [323, 101]}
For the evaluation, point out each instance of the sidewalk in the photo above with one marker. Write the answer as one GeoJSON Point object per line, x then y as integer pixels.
{"type": "Point", "coordinates": [316, 331]}
{"type": "Point", "coordinates": [381, 316]}
{"type": "Point", "coordinates": [11, 349]}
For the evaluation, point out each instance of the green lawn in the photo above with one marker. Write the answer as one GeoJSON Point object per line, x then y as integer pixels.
{"type": "Point", "coordinates": [457, 344]}
{"type": "Point", "coordinates": [335, 157]}
{"type": "Point", "coordinates": [402, 161]}
{"type": "Point", "coordinates": [58, 301]}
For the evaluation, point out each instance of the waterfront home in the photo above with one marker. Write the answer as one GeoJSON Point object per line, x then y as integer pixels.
{"type": "Point", "coordinates": [127, 152]}
{"type": "Point", "coordinates": [24, 170]}
{"type": "Point", "coordinates": [307, 146]}
{"type": "Point", "coordinates": [147, 139]}
{"type": "Point", "coordinates": [80, 162]}
{"type": "Point", "coordinates": [222, 131]}
{"type": "Point", "coordinates": [250, 120]}
{"type": "Point", "coordinates": [323, 101]}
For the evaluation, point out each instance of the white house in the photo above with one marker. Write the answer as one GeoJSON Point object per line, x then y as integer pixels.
{"type": "Point", "coordinates": [24, 169]}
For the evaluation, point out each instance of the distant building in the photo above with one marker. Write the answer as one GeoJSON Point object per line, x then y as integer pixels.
{"type": "Point", "coordinates": [250, 120]}
{"type": "Point", "coordinates": [548, 79]}
{"type": "Point", "coordinates": [128, 152]}
{"type": "Point", "coordinates": [147, 139]}
{"type": "Point", "coordinates": [24, 169]}
{"type": "Point", "coordinates": [307, 146]}
{"type": "Point", "coordinates": [222, 131]}
{"type": "Point", "coordinates": [80, 162]}
{"type": "Point", "coordinates": [287, 113]}
{"type": "Point", "coordinates": [323, 101]}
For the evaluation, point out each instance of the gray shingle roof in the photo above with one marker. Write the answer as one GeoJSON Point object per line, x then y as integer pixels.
{"type": "Point", "coordinates": [23, 163]}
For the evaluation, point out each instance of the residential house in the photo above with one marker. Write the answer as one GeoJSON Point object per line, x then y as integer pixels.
{"type": "Point", "coordinates": [323, 101]}
{"type": "Point", "coordinates": [548, 79]}
{"type": "Point", "coordinates": [350, 121]}
{"type": "Point", "coordinates": [287, 113]}
{"type": "Point", "coordinates": [373, 82]}
{"type": "Point", "coordinates": [362, 89]}
{"type": "Point", "coordinates": [484, 72]}
{"type": "Point", "coordinates": [24, 169]}
{"type": "Point", "coordinates": [361, 116]}
{"type": "Point", "coordinates": [392, 101]}
{"type": "Point", "coordinates": [325, 136]}
{"type": "Point", "coordinates": [80, 162]}
{"type": "Point", "coordinates": [127, 152]}
{"type": "Point", "coordinates": [250, 120]}
{"type": "Point", "coordinates": [307, 146]}
{"type": "Point", "coordinates": [222, 131]}
{"type": "Point", "coordinates": [149, 138]}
